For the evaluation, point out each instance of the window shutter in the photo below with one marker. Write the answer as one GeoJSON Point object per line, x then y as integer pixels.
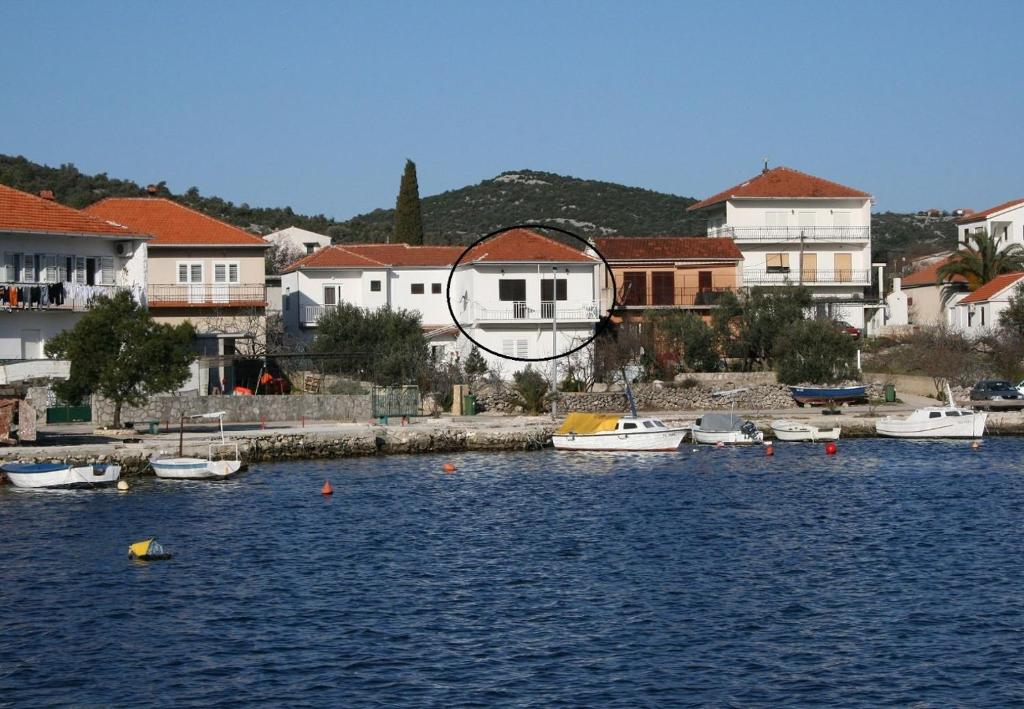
{"type": "Point", "coordinates": [233, 273]}
{"type": "Point", "coordinates": [107, 270]}
{"type": "Point", "coordinates": [508, 348]}
{"type": "Point", "coordinates": [182, 273]}
{"type": "Point", "coordinates": [197, 272]}
{"type": "Point", "coordinates": [521, 349]}
{"type": "Point", "coordinates": [28, 268]}
{"type": "Point", "coordinates": [220, 273]}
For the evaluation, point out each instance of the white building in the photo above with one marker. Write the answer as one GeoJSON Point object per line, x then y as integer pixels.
{"type": "Point", "coordinates": [300, 240]}
{"type": "Point", "coordinates": [1005, 222]}
{"type": "Point", "coordinates": [794, 228]}
{"type": "Point", "coordinates": [978, 312]}
{"type": "Point", "coordinates": [506, 293]}
{"type": "Point", "coordinates": [55, 259]}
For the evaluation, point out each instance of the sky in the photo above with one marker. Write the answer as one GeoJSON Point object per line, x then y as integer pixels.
{"type": "Point", "coordinates": [317, 105]}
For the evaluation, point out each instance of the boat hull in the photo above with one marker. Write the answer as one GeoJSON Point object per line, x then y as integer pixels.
{"type": "Point", "coordinates": [962, 427]}
{"type": "Point", "coordinates": [824, 395]}
{"type": "Point", "coordinates": [194, 468]}
{"type": "Point", "coordinates": [667, 439]}
{"type": "Point", "coordinates": [53, 476]}
{"type": "Point", "coordinates": [729, 437]}
{"type": "Point", "coordinates": [793, 432]}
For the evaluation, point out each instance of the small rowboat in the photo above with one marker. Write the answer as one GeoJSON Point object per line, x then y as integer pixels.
{"type": "Point", "coordinates": [786, 430]}
{"type": "Point", "coordinates": [825, 395]}
{"type": "Point", "coordinates": [61, 475]}
{"type": "Point", "coordinates": [217, 464]}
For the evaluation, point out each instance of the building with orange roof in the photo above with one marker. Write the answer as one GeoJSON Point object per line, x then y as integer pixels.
{"type": "Point", "coordinates": [202, 270]}
{"type": "Point", "coordinates": [1004, 221]}
{"type": "Point", "coordinates": [505, 292]}
{"type": "Point", "coordinates": [795, 228]}
{"type": "Point", "coordinates": [978, 311]}
{"type": "Point", "coordinates": [55, 259]}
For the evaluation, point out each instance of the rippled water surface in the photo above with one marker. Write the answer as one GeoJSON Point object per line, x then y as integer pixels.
{"type": "Point", "coordinates": [889, 574]}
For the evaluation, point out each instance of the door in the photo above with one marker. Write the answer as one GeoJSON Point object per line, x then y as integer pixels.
{"type": "Point", "coordinates": [844, 268]}
{"type": "Point", "coordinates": [31, 344]}
{"type": "Point", "coordinates": [634, 288]}
{"type": "Point", "coordinates": [662, 287]}
{"type": "Point", "coordinates": [225, 274]}
{"type": "Point", "coordinates": [190, 278]}
{"type": "Point", "coordinates": [809, 269]}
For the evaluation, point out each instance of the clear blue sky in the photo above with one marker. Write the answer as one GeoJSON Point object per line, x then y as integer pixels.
{"type": "Point", "coordinates": [316, 105]}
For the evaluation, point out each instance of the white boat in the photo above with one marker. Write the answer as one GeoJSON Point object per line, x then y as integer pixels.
{"type": "Point", "coordinates": [222, 459]}
{"type": "Point", "coordinates": [787, 430]}
{"type": "Point", "coordinates": [600, 432]}
{"type": "Point", "coordinates": [948, 421]}
{"type": "Point", "coordinates": [725, 428]}
{"type": "Point", "coordinates": [61, 475]}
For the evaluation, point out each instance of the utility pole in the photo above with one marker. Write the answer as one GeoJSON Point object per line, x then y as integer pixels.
{"type": "Point", "coordinates": [554, 341]}
{"type": "Point", "coordinates": [800, 278]}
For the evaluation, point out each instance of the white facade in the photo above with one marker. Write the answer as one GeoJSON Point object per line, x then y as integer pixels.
{"type": "Point", "coordinates": [300, 240]}
{"type": "Point", "coordinates": [821, 243]}
{"type": "Point", "coordinates": [505, 307]}
{"type": "Point", "coordinates": [976, 318]}
{"type": "Point", "coordinates": [84, 265]}
{"type": "Point", "coordinates": [1006, 225]}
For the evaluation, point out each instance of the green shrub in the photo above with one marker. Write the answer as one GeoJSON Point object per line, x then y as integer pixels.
{"type": "Point", "coordinates": [814, 351]}
{"type": "Point", "coordinates": [531, 389]}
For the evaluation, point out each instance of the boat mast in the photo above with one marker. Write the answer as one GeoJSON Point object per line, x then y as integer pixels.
{"type": "Point", "coordinates": [629, 394]}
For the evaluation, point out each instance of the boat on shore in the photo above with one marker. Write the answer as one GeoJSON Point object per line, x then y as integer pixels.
{"type": "Point", "coordinates": [829, 395]}
{"type": "Point", "coordinates": [61, 475]}
{"type": "Point", "coordinates": [600, 432]}
{"type": "Point", "coordinates": [725, 428]}
{"type": "Point", "coordinates": [949, 421]}
{"type": "Point", "coordinates": [222, 459]}
{"type": "Point", "coordinates": [795, 431]}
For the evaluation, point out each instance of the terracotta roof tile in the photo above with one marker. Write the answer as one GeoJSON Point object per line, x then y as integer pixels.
{"type": "Point", "coordinates": [782, 182]}
{"type": "Point", "coordinates": [981, 216]}
{"type": "Point", "coordinates": [171, 223]}
{"type": "Point", "coordinates": [24, 212]}
{"type": "Point", "coordinates": [676, 248]}
{"type": "Point", "coordinates": [523, 245]}
{"type": "Point", "coordinates": [993, 287]}
{"type": "Point", "coordinates": [929, 276]}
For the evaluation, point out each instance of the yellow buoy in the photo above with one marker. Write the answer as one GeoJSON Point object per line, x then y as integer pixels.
{"type": "Point", "coordinates": [148, 550]}
{"type": "Point", "coordinates": [122, 485]}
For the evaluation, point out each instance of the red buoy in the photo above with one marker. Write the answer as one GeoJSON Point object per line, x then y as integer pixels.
{"type": "Point", "coordinates": [769, 450]}
{"type": "Point", "coordinates": [327, 489]}
{"type": "Point", "coordinates": [448, 467]}
{"type": "Point", "coordinates": [831, 448]}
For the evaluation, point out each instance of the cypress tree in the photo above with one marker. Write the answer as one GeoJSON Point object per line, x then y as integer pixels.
{"type": "Point", "coordinates": [408, 217]}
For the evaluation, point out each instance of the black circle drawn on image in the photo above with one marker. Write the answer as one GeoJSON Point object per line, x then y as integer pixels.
{"type": "Point", "coordinates": [602, 324]}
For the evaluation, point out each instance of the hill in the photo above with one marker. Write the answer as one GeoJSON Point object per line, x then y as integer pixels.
{"type": "Point", "coordinates": [586, 207]}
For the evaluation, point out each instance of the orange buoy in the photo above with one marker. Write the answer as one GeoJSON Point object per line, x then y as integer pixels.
{"type": "Point", "coordinates": [975, 445]}
{"type": "Point", "coordinates": [448, 467]}
{"type": "Point", "coordinates": [720, 444]}
{"type": "Point", "coordinates": [327, 489]}
{"type": "Point", "coordinates": [769, 449]}
{"type": "Point", "coordinates": [831, 448]}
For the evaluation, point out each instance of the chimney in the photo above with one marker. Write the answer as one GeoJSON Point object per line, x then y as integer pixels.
{"type": "Point", "coordinates": [151, 189]}
{"type": "Point", "coordinates": [46, 194]}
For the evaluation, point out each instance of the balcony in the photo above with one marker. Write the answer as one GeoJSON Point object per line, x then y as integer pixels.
{"type": "Point", "coordinates": [695, 297]}
{"type": "Point", "coordinates": [525, 311]}
{"type": "Point", "coordinates": [75, 298]}
{"type": "Point", "coordinates": [793, 234]}
{"type": "Point", "coordinates": [207, 295]}
{"type": "Point", "coordinates": [310, 314]}
{"type": "Point", "coordinates": [783, 276]}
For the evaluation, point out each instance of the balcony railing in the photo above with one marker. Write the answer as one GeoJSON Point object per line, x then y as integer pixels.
{"type": "Point", "coordinates": [311, 313]}
{"type": "Point", "coordinates": [793, 233]}
{"type": "Point", "coordinates": [672, 297]}
{"type": "Point", "coordinates": [62, 297]}
{"type": "Point", "coordinates": [207, 295]}
{"type": "Point", "coordinates": [784, 276]}
{"type": "Point", "coordinates": [524, 311]}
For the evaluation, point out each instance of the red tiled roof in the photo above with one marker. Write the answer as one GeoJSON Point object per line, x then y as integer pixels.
{"type": "Point", "coordinates": [523, 245]}
{"type": "Point", "coordinates": [782, 182]}
{"type": "Point", "coordinates": [993, 287]}
{"type": "Point", "coordinates": [171, 223]}
{"type": "Point", "coordinates": [24, 212]}
{"type": "Point", "coordinates": [378, 256]}
{"type": "Point", "coordinates": [981, 216]}
{"type": "Point", "coordinates": [675, 248]}
{"type": "Point", "coordinates": [929, 276]}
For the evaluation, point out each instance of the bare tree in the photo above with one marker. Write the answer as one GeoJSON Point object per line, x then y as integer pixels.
{"type": "Point", "coordinates": [281, 254]}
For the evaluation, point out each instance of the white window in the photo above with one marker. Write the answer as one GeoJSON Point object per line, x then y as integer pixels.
{"type": "Point", "coordinates": [805, 218]}
{"type": "Point", "coordinates": [28, 268]}
{"type": "Point", "coordinates": [775, 218]}
{"type": "Point", "coordinates": [50, 273]}
{"type": "Point", "coordinates": [189, 271]}
{"type": "Point", "coordinates": [225, 271]}
{"type": "Point", "coordinates": [10, 272]}
{"type": "Point", "coordinates": [331, 295]}
{"type": "Point", "coordinates": [841, 218]}
{"type": "Point", "coordinates": [106, 271]}
{"type": "Point", "coordinates": [515, 348]}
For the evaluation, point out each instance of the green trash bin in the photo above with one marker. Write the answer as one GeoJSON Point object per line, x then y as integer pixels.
{"type": "Point", "coordinates": [469, 405]}
{"type": "Point", "coordinates": [890, 393]}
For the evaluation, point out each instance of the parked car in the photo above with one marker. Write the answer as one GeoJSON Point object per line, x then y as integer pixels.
{"type": "Point", "coordinates": [994, 390]}
{"type": "Point", "coordinates": [846, 327]}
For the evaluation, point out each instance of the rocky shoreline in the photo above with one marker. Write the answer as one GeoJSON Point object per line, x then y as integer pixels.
{"type": "Point", "coordinates": [329, 441]}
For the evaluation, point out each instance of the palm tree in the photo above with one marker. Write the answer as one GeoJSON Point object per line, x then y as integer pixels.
{"type": "Point", "coordinates": [981, 261]}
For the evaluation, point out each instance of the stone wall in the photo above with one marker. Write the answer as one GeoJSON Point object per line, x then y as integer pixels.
{"type": "Point", "coordinates": [316, 407]}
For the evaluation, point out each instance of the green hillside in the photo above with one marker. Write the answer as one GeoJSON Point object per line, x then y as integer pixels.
{"type": "Point", "coordinates": [586, 207]}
